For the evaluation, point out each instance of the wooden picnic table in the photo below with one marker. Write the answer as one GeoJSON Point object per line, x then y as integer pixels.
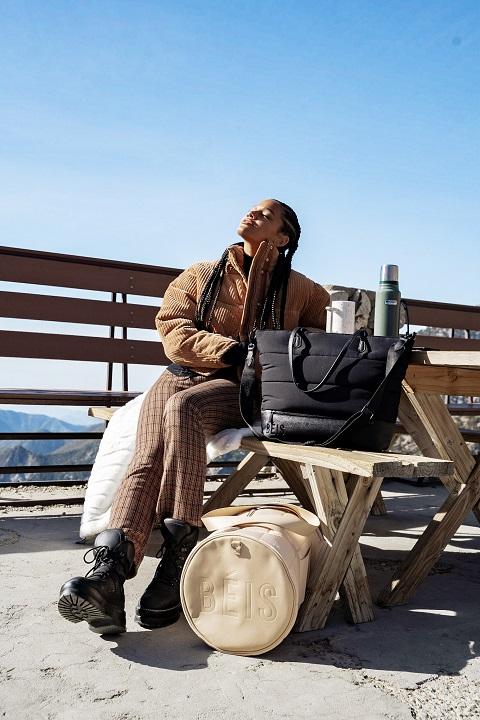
{"type": "Point", "coordinates": [341, 486]}
{"type": "Point", "coordinates": [426, 418]}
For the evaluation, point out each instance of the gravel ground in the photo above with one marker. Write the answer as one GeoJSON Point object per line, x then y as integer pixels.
{"type": "Point", "coordinates": [416, 661]}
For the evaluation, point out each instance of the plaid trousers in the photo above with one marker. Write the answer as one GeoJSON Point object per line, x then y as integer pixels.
{"type": "Point", "coordinates": [167, 473]}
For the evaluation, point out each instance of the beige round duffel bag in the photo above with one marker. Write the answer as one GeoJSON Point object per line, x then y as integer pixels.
{"type": "Point", "coordinates": [242, 586]}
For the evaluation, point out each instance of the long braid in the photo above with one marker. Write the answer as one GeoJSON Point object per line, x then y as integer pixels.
{"type": "Point", "coordinates": [269, 303]}
{"type": "Point", "coordinates": [281, 272]}
{"type": "Point", "coordinates": [211, 289]}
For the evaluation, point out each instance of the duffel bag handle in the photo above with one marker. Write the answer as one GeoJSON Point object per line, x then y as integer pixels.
{"type": "Point", "coordinates": [289, 517]}
{"type": "Point", "coordinates": [296, 340]}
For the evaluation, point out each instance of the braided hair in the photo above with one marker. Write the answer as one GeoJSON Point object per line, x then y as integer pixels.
{"type": "Point", "coordinates": [278, 281]}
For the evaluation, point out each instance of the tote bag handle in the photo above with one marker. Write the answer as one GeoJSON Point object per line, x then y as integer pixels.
{"type": "Point", "coordinates": [297, 340]}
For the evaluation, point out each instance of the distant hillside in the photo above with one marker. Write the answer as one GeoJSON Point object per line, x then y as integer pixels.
{"type": "Point", "coordinates": [44, 452]}
{"type": "Point", "coordinates": [13, 421]}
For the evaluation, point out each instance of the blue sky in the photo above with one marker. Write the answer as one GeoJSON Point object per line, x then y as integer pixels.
{"type": "Point", "coordinates": [143, 130]}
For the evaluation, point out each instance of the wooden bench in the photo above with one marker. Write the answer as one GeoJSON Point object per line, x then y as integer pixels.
{"type": "Point", "coordinates": [340, 486]}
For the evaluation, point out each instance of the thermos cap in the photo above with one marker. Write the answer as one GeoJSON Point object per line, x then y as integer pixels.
{"type": "Point", "coordinates": [389, 273]}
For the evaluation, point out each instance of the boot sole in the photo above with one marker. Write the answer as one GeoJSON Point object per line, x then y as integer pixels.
{"type": "Point", "coordinates": [151, 622]}
{"type": "Point", "coordinates": [75, 609]}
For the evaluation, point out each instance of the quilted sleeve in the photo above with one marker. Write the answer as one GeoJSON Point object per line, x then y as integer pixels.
{"type": "Point", "coordinates": [183, 343]}
{"type": "Point", "coordinates": [313, 313]}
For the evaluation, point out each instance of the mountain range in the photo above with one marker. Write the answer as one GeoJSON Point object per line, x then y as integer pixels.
{"type": "Point", "coordinates": [44, 452]}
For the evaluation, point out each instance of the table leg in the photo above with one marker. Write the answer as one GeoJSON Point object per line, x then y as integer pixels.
{"type": "Point", "coordinates": [237, 482]}
{"type": "Point", "coordinates": [432, 543]}
{"type": "Point", "coordinates": [292, 474]}
{"type": "Point", "coordinates": [428, 421]}
{"type": "Point", "coordinates": [345, 521]}
{"type": "Point", "coordinates": [329, 488]}
{"type": "Point", "coordinates": [426, 418]}
{"type": "Point", "coordinates": [378, 507]}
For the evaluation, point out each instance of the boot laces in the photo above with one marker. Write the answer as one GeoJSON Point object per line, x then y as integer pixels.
{"type": "Point", "coordinates": [179, 553]}
{"type": "Point", "coordinates": [172, 559]}
{"type": "Point", "coordinates": [102, 557]}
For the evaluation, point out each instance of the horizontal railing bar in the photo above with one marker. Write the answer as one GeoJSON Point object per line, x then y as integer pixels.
{"type": "Point", "coordinates": [33, 255]}
{"type": "Point", "coordinates": [84, 481]}
{"type": "Point", "coordinates": [444, 343]}
{"type": "Point", "coordinates": [51, 436]}
{"type": "Point", "coordinates": [441, 315]}
{"type": "Point", "coordinates": [464, 409]}
{"type": "Point", "coordinates": [416, 303]}
{"type": "Point", "coordinates": [76, 310]}
{"type": "Point", "coordinates": [108, 398]}
{"type": "Point", "coordinates": [80, 500]}
{"type": "Point", "coordinates": [27, 469]}
{"type": "Point", "coordinates": [86, 273]}
{"type": "Point", "coordinates": [139, 352]}
{"type": "Point", "coordinates": [74, 347]}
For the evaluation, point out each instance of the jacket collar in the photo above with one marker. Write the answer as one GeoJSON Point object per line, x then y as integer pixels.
{"type": "Point", "coordinates": [266, 257]}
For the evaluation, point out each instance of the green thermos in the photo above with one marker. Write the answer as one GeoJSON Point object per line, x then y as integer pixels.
{"type": "Point", "coordinates": [387, 303]}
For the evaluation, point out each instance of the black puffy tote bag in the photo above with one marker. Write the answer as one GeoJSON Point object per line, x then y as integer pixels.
{"type": "Point", "coordinates": [325, 389]}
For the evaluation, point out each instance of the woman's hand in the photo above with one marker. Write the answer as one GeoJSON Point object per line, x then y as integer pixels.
{"type": "Point", "coordinates": [236, 355]}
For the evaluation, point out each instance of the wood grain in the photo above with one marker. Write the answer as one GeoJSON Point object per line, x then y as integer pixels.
{"type": "Point", "coordinates": [432, 542]}
{"type": "Point", "coordinates": [319, 600]}
{"type": "Point", "coordinates": [444, 379]}
{"type": "Point", "coordinates": [365, 464]}
{"type": "Point", "coordinates": [236, 483]}
{"type": "Point", "coordinates": [330, 498]}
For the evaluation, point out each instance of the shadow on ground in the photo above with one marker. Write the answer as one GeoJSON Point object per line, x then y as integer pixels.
{"type": "Point", "coordinates": [437, 633]}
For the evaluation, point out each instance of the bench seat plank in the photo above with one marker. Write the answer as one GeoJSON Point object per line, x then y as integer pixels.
{"type": "Point", "coordinates": [365, 464]}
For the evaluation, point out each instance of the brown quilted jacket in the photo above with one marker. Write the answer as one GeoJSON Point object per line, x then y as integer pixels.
{"type": "Point", "coordinates": [237, 306]}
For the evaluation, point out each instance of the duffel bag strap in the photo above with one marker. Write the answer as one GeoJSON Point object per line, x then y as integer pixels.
{"type": "Point", "coordinates": [292, 518]}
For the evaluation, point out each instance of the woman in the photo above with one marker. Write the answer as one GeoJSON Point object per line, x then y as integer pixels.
{"type": "Point", "coordinates": [208, 314]}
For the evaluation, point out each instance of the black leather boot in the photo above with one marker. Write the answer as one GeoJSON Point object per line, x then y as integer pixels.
{"type": "Point", "coordinates": [98, 597]}
{"type": "Point", "coordinates": [160, 603]}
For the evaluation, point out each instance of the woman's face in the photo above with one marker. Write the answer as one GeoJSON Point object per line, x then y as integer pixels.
{"type": "Point", "coordinates": [263, 222]}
